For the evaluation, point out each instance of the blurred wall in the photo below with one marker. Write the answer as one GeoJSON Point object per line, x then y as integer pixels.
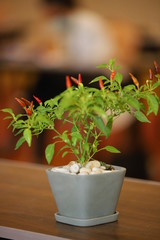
{"type": "Point", "coordinates": [17, 14]}
{"type": "Point", "coordinates": [145, 13]}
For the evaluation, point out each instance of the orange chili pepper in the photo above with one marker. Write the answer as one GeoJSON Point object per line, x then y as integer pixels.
{"type": "Point", "coordinates": [156, 67]}
{"type": "Point", "coordinates": [37, 99]}
{"type": "Point", "coordinates": [135, 81]}
{"type": "Point", "coordinates": [112, 75]}
{"type": "Point", "coordinates": [150, 74]}
{"type": "Point", "coordinates": [28, 103]}
{"type": "Point", "coordinates": [29, 110]}
{"type": "Point", "coordinates": [21, 102]}
{"type": "Point", "coordinates": [68, 82]}
{"type": "Point", "coordinates": [79, 78]}
{"type": "Point", "coordinates": [75, 80]}
{"type": "Point", "coordinates": [101, 83]}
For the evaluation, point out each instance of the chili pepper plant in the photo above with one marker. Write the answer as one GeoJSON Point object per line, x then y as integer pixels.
{"type": "Point", "coordinates": [90, 111]}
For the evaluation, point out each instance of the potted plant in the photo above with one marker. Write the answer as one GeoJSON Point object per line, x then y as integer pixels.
{"type": "Point", "coordinates": [86, 191]}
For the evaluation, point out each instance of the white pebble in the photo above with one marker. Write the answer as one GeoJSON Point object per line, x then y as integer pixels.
{"type": "Point", "coordinates": [66, 167]}
{"type": "Point", "coordinates": [71, 163]}
{"type": "Point", "coordinates": [94, 169]}
{"type": "Point", "coordinates": [96, 172]}
{"type": "Point", "coordinates": [89, 165]}
{"type": "Point", "coordinates": [74, 168]}
{"type": "Point", "coordinates": [103, 167]}
{"type": "Point", "coordinates": [84, 169]}
{"type": "Point", "coordinates": [96, 163]}
{"type": "Point", "coordinates": [60, 169]}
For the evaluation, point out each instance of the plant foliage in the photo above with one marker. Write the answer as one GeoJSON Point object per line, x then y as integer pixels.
{"type": "Point", "coordinates": [90, 112]}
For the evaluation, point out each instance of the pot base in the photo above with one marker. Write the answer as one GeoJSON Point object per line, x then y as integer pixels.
{"type": "Point", "coordinates": [86, 222]}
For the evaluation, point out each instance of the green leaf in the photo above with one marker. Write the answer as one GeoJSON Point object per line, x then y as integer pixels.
{"type": "Point", "coordinates": [142, 107]}
{"type": "Point", "coordinates": [86, 147]}
{"type": "Point", "coordinates": [20, 142]}
{"type": "Point", "coordinates": [11, 123]}
{"type": "Point", "coordinates": [74, 129]}
{"type": "Point", "coordinates": [141, 117]}
{"type": "Point", "coordinates": [112, 62]}
{"type": "Point", "coordinates": [53, 101]}
{"type": "Point", "coordinates": [20, 131]}
{"type": "Point", "coordinates": [74, 141]}
{"type": "Point", "coordinates": [27, 136]}
{"type": "Point", "coordinates": [129, 88]}
{"type": "Point", "coordinates": [8, 110]}
{"type": "Point", "coordinates": [76, 151]}
{"type": "Point", "coordinates": [43, 119]}
{"type": "Point", "coordinates": [8, 117]}
{"type": "Point", "coordinates": [64, 137]}
{"type": "Point", "coordinates": [100, 124]}
{"type": "Point", "coordinates": [133, 102]}
{"type": "Point", "coordinates": [64, 154]}
{"type": "Point", "coordinates": [118, 78]}
{"type": "Point", "coordinates": [75, 136]}
{"type": "Point", "coordinates": [102, 65]}
{"type": "Point", "coordinates": [98, 110]}
{"type": "Point", "coordinates": [112, 149]}
{"type": "Point", "coordinates": [112, 96]}
{"type": "Point", "coordinates": [95, 146]}
{"type": "Point", "coordinates": [62, 148]}
{"type": "Point", "coordinates": [49, 152]}
{"type": "Point", "coordinates": [59, 112]}
{"type": "Point", "coordinates": [109, 126]}
{"type": "Point", "coordinates": [155, 85]}
{"type": "Point", "coordinates": [153, 103]}
{"type": "Point", "coordinates": [97, 79]}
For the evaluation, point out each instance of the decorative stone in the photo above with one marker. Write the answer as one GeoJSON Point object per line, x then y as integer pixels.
{"type": "Point", "coordinates": [94, 169]}
{"type": "Point", "coordinates": [66, 167]}
{"type": "Point", "coordinates": [60, 169]}
{"type": "Point", "coordinates": [85, 169]}
{"type": "Point", "coordinates": [96, 164]}
{"type": "Point", "coordinates": [96, 172]}
{"type": "Point", "coordinates": [74, 168]}
{"type": "Point", "coordinates": [71, 163]}
{"type": "Point", "coordinates": [89, 165]}
{"type": "Point", "coordinates": [103, 167]}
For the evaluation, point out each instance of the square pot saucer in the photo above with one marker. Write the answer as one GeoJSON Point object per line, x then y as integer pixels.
{"type": "Point", "coordinates": [86, 222]}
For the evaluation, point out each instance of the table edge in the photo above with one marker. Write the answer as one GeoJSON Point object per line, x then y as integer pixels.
{"type": "Point", "coordinates": [19, 234]}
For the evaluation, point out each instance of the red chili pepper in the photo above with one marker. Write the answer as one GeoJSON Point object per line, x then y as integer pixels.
{"type": "Point", "coordinates": [29, 110]}
{"type": "Point", "coordinates": [113, 75]}
{"type": "Point", "coordinates": [76, 81]}
{"type": "Point", "coordinates": [28, 103]}
{"type": "Point", "coordinates": [79, 78]}
{"type": "Point", "coordinates": [135, 81]}
{"type": "Point", "coordinates": [156, 67]}
{"type": "Point", "coordinates": [101, 83]}
{"type": "Point", "coordinates": [21, 102]}
{"type": "Point", "coordinates": [68, 82]}
{"type": "Point", "coordinates": [150, 74]}
{"type": "Point", "coordinates": [37, 99]}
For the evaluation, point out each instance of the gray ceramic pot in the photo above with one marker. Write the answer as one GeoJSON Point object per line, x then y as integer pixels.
{"type": "Point", "coordinates": [86, 200]}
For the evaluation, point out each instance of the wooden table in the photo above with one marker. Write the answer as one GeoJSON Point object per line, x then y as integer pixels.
{"type": "Point", "coordinates": [27, 208]}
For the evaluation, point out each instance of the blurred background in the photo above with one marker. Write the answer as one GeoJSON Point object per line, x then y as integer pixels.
{"type": "Point", "coordinates": [42, 41]}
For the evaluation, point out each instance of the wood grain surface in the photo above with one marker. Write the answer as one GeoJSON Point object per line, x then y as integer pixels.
{"type": "Point", "coordinates": [26, 203]}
